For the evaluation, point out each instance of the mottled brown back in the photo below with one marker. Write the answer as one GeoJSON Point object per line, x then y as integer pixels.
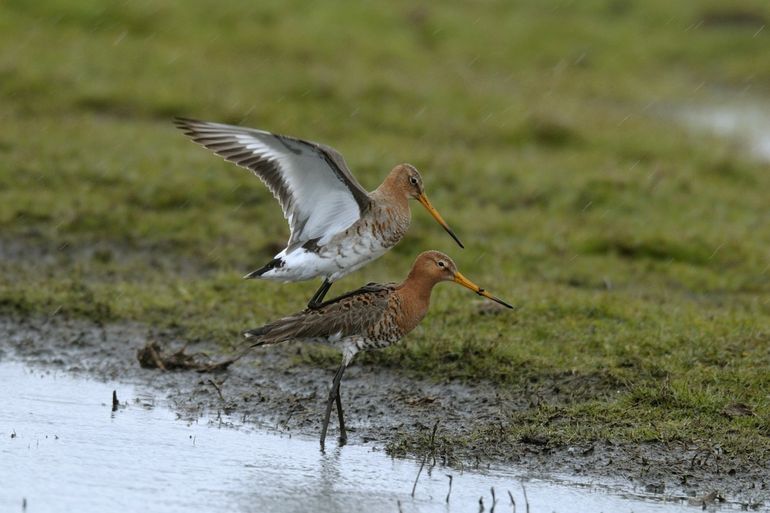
{"type": "Point", "coordinates": [354, 313]}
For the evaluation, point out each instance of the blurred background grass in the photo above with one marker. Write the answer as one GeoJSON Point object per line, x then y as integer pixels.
{"type": "Point", "coordinates": [551, 135]}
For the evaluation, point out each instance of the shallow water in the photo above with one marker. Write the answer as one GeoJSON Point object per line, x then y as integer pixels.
{"type": "Point", "coordinates": [63, 449]}
{"type": "Point", "coordinates": [747, 122]}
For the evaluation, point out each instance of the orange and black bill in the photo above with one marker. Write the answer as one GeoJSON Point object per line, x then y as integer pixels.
{"type": "Point", "coordinates": [422, 198]}
{"type": "Point", "coordinates": [465, 282]}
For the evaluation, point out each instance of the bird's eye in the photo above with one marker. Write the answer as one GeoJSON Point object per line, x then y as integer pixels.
{"type": "Point", "coordinates": [413, 180]}
{"type": "Point", "coordinates": [441, 264]}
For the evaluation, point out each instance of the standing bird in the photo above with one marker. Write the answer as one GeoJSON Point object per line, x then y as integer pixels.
{"type": "Point", "coordinates": [372, 317]}
{"type": "Point", "coordinates": [336, 225]}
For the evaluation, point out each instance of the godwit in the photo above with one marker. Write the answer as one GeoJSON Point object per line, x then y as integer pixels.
{"type": "Point", "coordinates": [336, 226]}
{"type": "Point", "coordinates": [372, 317]}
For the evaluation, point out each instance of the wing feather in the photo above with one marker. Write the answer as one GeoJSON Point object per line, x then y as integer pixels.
{"type": "Point", "coordinates": [317, 193]}
{"type": "Point", "coordinates": [350, 314]}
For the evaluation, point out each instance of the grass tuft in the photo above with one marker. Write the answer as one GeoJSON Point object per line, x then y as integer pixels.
{"type": "Point", "coordinates": [635, 251]}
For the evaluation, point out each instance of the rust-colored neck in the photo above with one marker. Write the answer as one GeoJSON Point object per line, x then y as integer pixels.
{"type": "Point", "coordinates": [393, 192]}
{"type": "Point", "coordinates": [391, 210]}
{"type": "Point", "coordinates": [414, 293]}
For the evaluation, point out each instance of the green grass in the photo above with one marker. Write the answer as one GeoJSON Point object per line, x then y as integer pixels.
{"type": "Point", "coordinates": [636, 252]}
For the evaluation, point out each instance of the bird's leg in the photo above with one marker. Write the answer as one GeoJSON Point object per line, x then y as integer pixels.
{"type": "Point", "coordinates": [333, 396]}
{"type": "Point", "coordinates": [318, 297]}
{"type": "Point", "coordinates": [341, 417]}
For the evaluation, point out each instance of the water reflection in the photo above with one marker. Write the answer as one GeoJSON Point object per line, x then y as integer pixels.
{"type": "Point", "coordinates": [70, 452]}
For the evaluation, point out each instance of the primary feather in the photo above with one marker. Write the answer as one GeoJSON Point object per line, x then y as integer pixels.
{"type": "Point", "coordinates": [318, 194]}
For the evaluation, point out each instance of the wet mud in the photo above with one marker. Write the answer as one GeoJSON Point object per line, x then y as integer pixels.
{"type": "Point", "coordinates": [384, 408]}
{"type": "Point", "coordinates": [67, 452]}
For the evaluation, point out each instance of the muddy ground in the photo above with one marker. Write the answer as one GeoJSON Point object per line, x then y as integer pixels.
{"type": "Point", "coordinates": [384, 407]}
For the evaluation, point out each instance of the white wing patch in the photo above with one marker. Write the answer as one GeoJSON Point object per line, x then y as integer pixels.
{"type": "Point", "coordinates": [320, 200]}
{"type": "Point", "coordinates": [316, 201]}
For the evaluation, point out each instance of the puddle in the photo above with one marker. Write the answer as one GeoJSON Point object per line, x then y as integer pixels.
{"type": "Point", "coordinates": [62, 448]}
{"type": "Point", "coordinates": [749, 123]}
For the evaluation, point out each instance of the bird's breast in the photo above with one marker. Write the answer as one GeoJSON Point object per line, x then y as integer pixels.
{"type": "Point", "coordinates": [368, 239]}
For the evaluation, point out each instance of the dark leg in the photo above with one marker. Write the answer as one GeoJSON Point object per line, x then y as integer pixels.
{"type": "Point", "coordinates": [318, 297]}
{"type": "Point", "coordinates": [333, 396]}
{"type": "Point", "coordinates": [341, 417]}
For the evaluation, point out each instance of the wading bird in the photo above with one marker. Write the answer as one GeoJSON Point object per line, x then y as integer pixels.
{"type": "Point", "coordinates": [372, 317]}
{"type": "Point", "coordinates": [336, 225]}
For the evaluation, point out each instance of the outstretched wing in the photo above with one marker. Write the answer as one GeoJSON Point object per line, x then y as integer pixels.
{"type": "Point", "coordinates": [317, 193]}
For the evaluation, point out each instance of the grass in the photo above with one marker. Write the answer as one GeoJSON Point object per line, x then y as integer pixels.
{"type": "Point", "coordinates": [636, 251]}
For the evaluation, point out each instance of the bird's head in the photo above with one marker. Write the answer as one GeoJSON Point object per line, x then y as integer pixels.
{"type": "Point", "coordinates": [437, 266]}
{"type": "Point", "coordinates": [408, 181]}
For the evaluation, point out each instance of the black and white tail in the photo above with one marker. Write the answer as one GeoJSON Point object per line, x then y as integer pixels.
{"type": "Point", "coordinates": [275, 263]}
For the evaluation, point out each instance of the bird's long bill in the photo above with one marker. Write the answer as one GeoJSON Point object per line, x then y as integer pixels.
{"type": "Point", "coordinates": [422, 198]}
{"type": "Point", "coordinates": [465, 282]}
